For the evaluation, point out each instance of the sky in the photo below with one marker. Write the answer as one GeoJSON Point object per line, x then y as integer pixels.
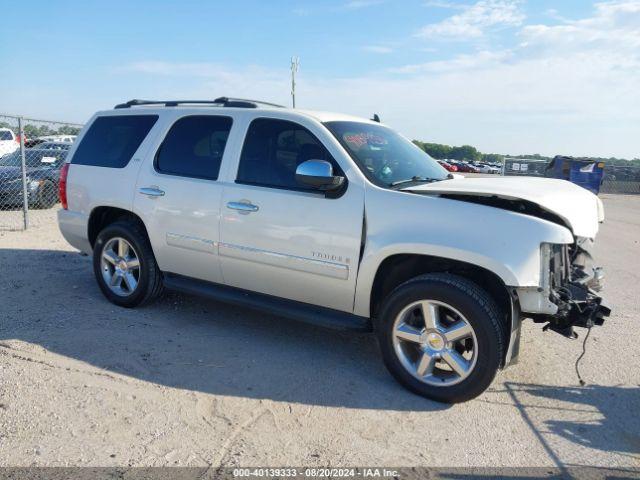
{"type": "Point", "coordinates": [506, 76]}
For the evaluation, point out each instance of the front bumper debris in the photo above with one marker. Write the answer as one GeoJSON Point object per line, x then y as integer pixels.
{"type": "Point", "coordinates": [578, 306]}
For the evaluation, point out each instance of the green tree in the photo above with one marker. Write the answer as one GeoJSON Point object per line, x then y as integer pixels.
{"type": "Point", "coordinates": [435, 150]}
{"type": "Point", "coordinates": [68, 130]}
{"type": "Point", "coordinates": [34, 131]}
{"type": "Point", "coordinates": [492, 158]}
{"type": "Point", "coordinates": [9, 126]}
{"type": "Point", "coordinates": [465, 152]}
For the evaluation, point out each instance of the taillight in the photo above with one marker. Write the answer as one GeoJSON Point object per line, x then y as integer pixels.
{"type": "Point", "coordinates": [62, 186]}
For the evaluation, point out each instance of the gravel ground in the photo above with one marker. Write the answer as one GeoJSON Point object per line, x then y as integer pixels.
{"type": "Point", "coordinates": [188, 381]}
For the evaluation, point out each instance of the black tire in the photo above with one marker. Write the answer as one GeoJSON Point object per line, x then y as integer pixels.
{"type": "Point", "coordinates": [149, 285]}
{"type": "Point", "coordinates": [47, 196]}
{"type": "Point", "coordinates": [474, 304]}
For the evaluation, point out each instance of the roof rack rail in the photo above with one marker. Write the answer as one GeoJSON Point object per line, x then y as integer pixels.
{"type": "Point", "coordinates": [166, 103]}
{"type": "Point", "coordinates": [220, 102]}
{"type": "Point", "coordinates": [244, 103]}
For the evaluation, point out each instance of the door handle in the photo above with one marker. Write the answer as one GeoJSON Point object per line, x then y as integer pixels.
{"type": "Point", "coordinates": [152, 191]}
{"type": "Point", "coordinates": [244, 207]}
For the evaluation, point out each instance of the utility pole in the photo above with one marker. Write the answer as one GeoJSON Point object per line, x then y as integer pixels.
{"type": "Point", "coordinates": [295, 64]}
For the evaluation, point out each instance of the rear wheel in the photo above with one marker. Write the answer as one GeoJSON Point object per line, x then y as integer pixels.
{"type": "Point", "coordinates": [124, 265]}
{"type": "Point", "coordinates": [440, 337]}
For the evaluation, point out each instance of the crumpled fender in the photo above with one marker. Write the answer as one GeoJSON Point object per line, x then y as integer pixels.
{"type": "Point", "coordinates": [501, 241]}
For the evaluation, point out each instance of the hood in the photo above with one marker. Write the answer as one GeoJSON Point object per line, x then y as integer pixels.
{"type": "Point", "coordinates": [577, 207]}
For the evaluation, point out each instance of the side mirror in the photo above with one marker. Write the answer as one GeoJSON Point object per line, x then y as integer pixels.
{"type": "Point", "coordinates": [318, 174]}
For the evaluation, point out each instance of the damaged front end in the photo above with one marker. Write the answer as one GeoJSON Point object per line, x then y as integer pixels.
{"type": "Point", "coordinates": [571, 284]}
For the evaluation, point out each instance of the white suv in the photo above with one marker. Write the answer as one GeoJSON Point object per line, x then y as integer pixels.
{"type": "Point", "coordinates": [335, 220]}
{"type": "Point", "coordinates": [8, 141]}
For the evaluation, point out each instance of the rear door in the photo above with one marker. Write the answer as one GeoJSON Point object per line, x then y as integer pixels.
{"type": "Point", "coordinates": [282, 239]}
{"type": "Point", "coordinates": [178, 194]}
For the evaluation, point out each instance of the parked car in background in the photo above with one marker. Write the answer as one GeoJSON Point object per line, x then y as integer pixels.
{"type": "Point", "coordinates": [486, 168]}
{"type": "Point", "coordinates": [58, 138]}
{"type": "Point", "coordinates": [467, 168]}
{"type": "Point", "coordinates": [448, 166]}
{"type": "Point", "coordinates": [43, 171]}
{"type": "Point", "coordinates": [54, 146]}
{"type": "Point", "coordinates": [8, 141]}
{"type": "Point", "coordinates": [33, 142]}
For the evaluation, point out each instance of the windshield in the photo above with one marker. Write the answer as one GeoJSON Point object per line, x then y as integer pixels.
{"type": "Point", "coordinates": [384, 156]}
{"type": "Point", "coordinates": [34, 158]}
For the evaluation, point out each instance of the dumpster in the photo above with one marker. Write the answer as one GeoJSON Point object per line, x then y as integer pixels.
{"type": "Point", "coordinates": [581, 171]}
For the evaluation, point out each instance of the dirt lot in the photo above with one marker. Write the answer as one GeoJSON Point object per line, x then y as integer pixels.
{"type": "Point", "coordinates": [193, 382]}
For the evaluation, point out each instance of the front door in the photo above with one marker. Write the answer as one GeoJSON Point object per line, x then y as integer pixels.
{"type": "Point", "coordinates": [280, 239]}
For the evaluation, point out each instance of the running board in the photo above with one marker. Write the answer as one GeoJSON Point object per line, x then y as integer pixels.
{"type": "Point", "coordinates": [324, 317]}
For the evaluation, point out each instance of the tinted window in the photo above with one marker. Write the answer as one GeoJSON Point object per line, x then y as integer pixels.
{"type": "Point", "coordinates": [272, 151]}
{"type": "Point", "coordinates": [194, 147]}
{"type": "Point", "coordinates": [4, 135]}
{"type": "Point", "coordinates": [111, 141]}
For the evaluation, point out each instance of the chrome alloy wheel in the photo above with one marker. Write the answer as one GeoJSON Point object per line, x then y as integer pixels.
{"type": "Point", "coordinates": [435, 343]}
{"type": "Point", "coordinates": [120, 266]}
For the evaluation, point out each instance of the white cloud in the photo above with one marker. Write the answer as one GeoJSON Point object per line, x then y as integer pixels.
{"type": "Point", "coordinates": [474, 20]}
{"type": "Point", "coordinates": [553, 13]}
{"type": "Point", "coordinates": [377, 49]}
{"type": "Point", "coordinates": [207, 80]}
{"type": "Point", "coordinates": [198, 69]}
{"type": "Point", "coordinates": [357, 4]}
{"type": "Point", "coordinates": [570, 88]}
{"type": "Point", "coordinates": [615, 28]}
{"type": "Point", "coordinates": [482, 59]}
{"type": "Point", "coordinates": [443, 4]}
{"type": "Point", "coordinates": [548, 105]}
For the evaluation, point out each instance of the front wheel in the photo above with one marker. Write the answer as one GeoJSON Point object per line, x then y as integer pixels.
{"type": "Point", "coordinates": [441, 337]}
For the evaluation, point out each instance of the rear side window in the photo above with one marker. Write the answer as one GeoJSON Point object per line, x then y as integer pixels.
{"type": "Point", "coordinates": [111, 141]}
{"type": "Point", "coordinates": [272, 151]}
{"type": "Point", "coordinates": [5, 135]}
{"type": "Point", "coordinates": [194, 147]}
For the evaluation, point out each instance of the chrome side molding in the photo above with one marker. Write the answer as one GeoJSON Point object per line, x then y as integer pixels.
{"type": "Point", "coordinates": [282, 260]}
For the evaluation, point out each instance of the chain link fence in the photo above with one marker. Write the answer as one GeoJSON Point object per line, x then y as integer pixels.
{"type": "Point", "coordinates": [32, 153]}
{"type": "Point", "coordinates": [621, 179]}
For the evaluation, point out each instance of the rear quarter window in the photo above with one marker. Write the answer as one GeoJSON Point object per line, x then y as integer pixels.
{"type": "Point", "coordinates": [111, 141]}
